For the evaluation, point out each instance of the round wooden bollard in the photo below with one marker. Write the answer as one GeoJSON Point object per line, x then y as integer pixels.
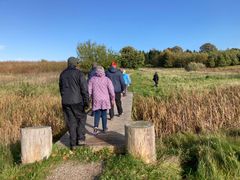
{"type": "Point", "coordinates": [36, 143]}
{"type": "Point", "coordinates": [140, 140]}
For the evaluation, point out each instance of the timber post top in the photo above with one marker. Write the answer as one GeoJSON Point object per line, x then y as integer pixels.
{"type": "Point", "coordinates": [36, 127]}
{"type": "Point", "coordinates": [139, 124]}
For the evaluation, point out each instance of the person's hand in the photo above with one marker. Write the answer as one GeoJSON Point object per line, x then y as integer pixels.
{"type": "Point", "coordinates": [112, 102]}
{"type": "Point", "coordinates": [86, 107]}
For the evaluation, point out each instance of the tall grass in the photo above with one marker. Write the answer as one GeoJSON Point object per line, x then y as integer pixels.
{"type": "Point", "coordinates": [191, 111]}
{"type": "Point", "coordinates": [31, 67]}
{"type": "Point", "coordinates": [204, 156]}
{"type": "Point", "coordinates": [22, 111]}
{"type": "Point", "coordinates": [29, 100]}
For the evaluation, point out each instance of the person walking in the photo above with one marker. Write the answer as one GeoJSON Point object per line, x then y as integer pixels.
{"type": "Point", "coordinates": [127, 81]}
{"type": "Point", "coordinates": [75, 98]}
{"type": "Point", "coordinates": [92, 72]}
{"type": "Point", "coordinates": [155, 79]}
{"type": "Point", "coordinates": [118, 83]}
{"type": "Point", "coordinates": [101, 91]}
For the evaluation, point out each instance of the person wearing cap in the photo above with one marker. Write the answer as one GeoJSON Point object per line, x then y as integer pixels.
{"type": "Point", "coordinates": [118, 83]}
{"type": "Point", "coordinates": [101, 91]}
{"type": "Point", "coordinates": [75, 99]}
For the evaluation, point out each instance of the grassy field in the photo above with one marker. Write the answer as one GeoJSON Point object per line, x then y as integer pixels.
{"type": "Point", "coordinates": [188, 101]}
{"type": "Point", "coordinates": [172, 81]}
{"type": "Point", "coordinates": [196, 117]}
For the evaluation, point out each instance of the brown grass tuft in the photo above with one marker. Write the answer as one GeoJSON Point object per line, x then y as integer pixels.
{"type": "Point", "coordinates": [191, 111]}
{"type": "Point", "coordinates": [17, 112]}
{"type": "Point", "coordinates": [31, 67]}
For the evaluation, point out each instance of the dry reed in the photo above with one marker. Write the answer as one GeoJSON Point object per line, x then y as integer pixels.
{"type": "Point", "coordinates": [17, 112]}
{"type": "Point", "coordinates": [31, 67]}
{"type": "Point", "coordinates": [191, 111]}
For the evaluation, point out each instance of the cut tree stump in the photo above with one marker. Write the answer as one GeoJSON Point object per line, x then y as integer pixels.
{"type": "Point", "coordinates": [140, 140]}
{"type": "Point", "coordinates": [36, 143]}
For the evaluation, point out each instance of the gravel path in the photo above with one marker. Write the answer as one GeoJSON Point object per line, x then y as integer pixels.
{"type": "Point", "coordinates": [72, 170]}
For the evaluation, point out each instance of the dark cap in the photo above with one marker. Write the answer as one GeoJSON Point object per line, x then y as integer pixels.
{"type": "Point", "coordinates": [73, 61]}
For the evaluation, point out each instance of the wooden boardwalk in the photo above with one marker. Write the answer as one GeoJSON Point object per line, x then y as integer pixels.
{"type": "Point", "coordinates": [114, 139]}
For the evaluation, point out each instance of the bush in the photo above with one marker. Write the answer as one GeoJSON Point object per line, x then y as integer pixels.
{"type": "Point", "coordinates": [192, 66]}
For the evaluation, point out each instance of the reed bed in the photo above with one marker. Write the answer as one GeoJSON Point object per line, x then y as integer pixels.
{"type": "Point", "coordinates": [191, 111]}
{"type": "Point", "coordinates": [29, 96]}
{"type": "Point", "coordinates": [31, 67]}
{"type": "Point", "coordinates": [18, 111]}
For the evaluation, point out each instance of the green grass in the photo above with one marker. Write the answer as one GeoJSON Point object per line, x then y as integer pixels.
{"type": "Point", "coordinates": [173, 81]}
{"type": "Point", "coordinates": [10, 167]}
{"type": "Point", "coordinates": [183, 156]}
{"type": "Point", "coordinates": [179, 156]}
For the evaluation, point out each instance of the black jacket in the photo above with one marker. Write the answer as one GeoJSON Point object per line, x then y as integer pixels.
{"type": "Point", "coordinates": [73, 86]}
{"type": "Point", "coordinates": [155, 78]}
{"type": "Point", "coordinates": [92, 73]}
{"type": "Point", "coordinates": [117, 79]}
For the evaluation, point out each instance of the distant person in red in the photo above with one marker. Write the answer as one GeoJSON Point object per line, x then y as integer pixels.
{"type": "Point", "coordinates": [116, 77]}
{"type": "Point", "coordinates": [155, 79]}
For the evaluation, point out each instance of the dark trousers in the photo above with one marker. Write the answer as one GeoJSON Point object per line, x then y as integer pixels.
{"type": "Point", "coordinates": [118, 104]}
{"type": "Point", "coordinates": [100, 114]}
{"type": "Point", "coordinates": [75, 118]}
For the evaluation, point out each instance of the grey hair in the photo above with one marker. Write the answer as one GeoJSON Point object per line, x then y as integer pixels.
{"type": "Point", "coordinates": [100, 68]}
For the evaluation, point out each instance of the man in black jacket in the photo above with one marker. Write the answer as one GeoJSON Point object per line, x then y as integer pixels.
{"type": "Point", "coordinates": [118, 83]}
{"type": "Point", "coordinates": [155, 79]}
{"type": "Point", "coordinates": [75, 98]}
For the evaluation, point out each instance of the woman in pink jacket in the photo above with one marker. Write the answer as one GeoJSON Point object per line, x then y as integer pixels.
{"type": "Point", "coordinates": [101, 91]}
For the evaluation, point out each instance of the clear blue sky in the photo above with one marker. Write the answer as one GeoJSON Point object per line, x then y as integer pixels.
{"type": "Point", "coordinates": [51, 29]}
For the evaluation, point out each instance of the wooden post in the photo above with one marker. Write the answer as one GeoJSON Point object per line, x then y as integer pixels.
{"type": "Point", "coordinates": [140, 140]}
{"type": "Point", "coordinates": [36, 143]}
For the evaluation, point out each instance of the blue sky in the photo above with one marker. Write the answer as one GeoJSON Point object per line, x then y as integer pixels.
{"type": "Point", "coordinates": [51, 29]}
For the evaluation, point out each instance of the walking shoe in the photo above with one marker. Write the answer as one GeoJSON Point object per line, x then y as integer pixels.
{"type": "Point", "coordinates": [95, 131]}
{"type": "Point", "coordinates": [105, 130]}
{"type": "Point", "coordinates": [73, 148]}
{"type": "Point", "coordinates": [120, 114]}
{"type": "Point", "coordinates": [81, 142]}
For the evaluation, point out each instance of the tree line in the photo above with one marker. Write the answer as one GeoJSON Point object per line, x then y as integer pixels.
{"type": "Point", "coordinates": [129, 57]}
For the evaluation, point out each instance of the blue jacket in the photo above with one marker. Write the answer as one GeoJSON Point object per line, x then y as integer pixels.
{"type": "Point", "coordinates": [127, 79]}
{"type": "Point", "coordinates": [117, 79]}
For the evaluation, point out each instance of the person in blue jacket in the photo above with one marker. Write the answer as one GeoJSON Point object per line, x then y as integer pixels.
{"type": "Point", "coordinates": [127, 81]}
{"type": "Point", "coordinates": [116, 77]}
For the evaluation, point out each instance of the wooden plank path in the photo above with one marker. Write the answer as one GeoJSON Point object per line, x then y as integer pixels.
{"type": "Point", "coordinates": [114, 139]}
